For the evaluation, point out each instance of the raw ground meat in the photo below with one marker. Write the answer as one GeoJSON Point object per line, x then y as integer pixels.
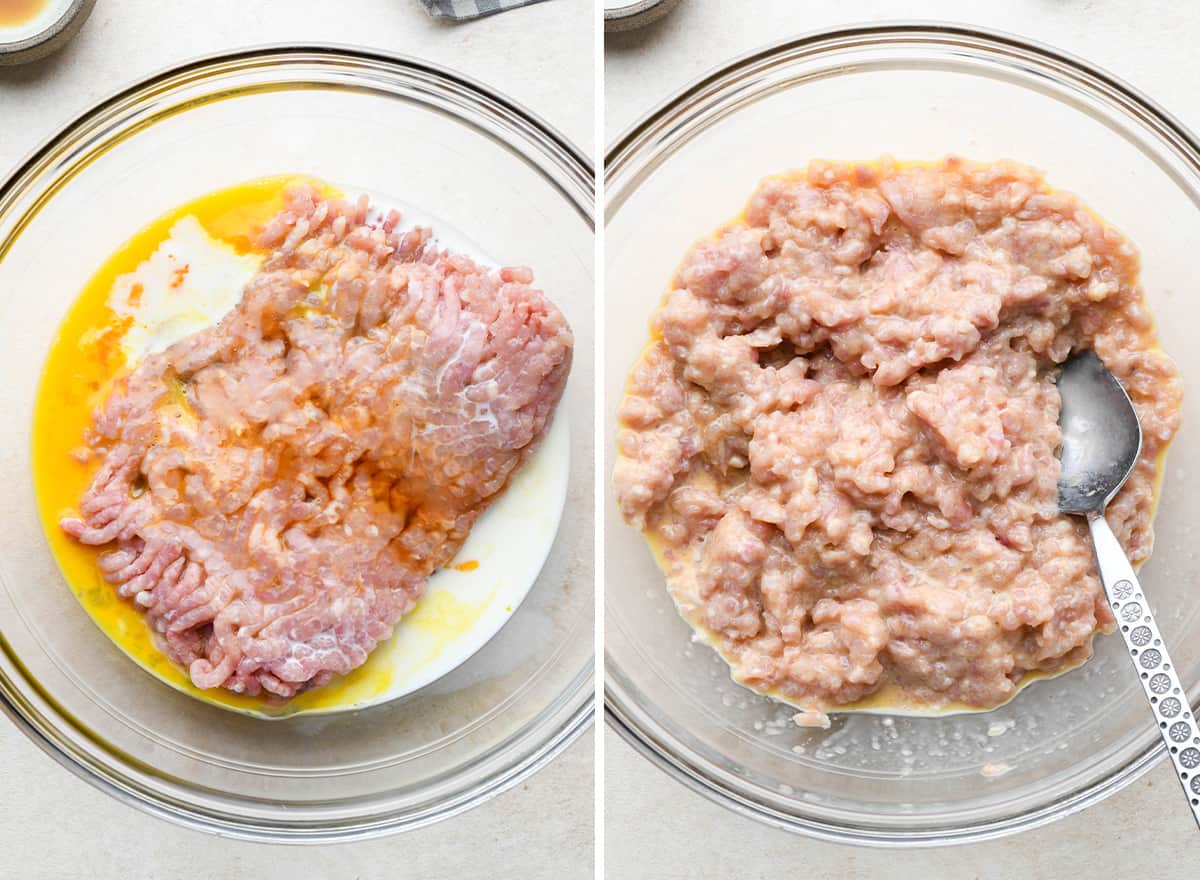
{"type": "Point", "coordinates": [842, 437]}
{"type": "Point", "coordinates": [276, 489]}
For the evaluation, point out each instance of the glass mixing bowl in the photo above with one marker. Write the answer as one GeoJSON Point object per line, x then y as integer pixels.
{"type": "Point", "coordinates": [366, 121]}
{"type": "Point", "coordinates": [914, 91]}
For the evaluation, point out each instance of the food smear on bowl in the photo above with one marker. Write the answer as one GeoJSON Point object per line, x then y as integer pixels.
{"type": "Point", "coordinates": [18, 12]}
{"type": "Point", "coordinates": [163, 348]}
{"type": "Point", "coordinates": [841, 440]}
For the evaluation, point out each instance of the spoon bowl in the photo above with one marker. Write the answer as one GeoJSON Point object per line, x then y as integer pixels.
{"type": "Point", "coordinates": [1101, 436]}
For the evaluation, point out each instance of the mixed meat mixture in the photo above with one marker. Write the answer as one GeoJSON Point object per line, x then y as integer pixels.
{"type": "Point", "coordinates": [841, 440]}
{"type": "Point", "coordinates": [275, 490]}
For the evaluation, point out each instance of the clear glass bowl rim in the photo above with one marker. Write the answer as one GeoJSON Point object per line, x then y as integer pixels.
{"type": "Point", "coordinates": [635, 724]}
{"type": "Point", "coordinates": [36, 712]}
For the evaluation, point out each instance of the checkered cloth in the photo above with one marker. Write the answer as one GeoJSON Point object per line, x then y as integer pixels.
{"type": "Point", "coordinates": [464, 10]}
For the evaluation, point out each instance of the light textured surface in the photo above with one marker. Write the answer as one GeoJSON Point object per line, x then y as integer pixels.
{"type": "Point", "coordinates": [657, 828]}
{"type": "Point", "coordinates": [1147, 43]}
{"type": "Point", "coordinates": [52, 825]}
{"type": "Point", "coordinates": [541, 56]}
{"type": "Point", "coordinates": [55, 827]}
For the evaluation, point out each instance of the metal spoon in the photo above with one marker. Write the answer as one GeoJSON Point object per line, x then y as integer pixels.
{"type": "Point", "coordinates": [1100, 445]}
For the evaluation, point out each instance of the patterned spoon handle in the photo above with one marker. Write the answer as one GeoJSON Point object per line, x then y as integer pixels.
{"type": "Point", "coordinates": [1176, 722]}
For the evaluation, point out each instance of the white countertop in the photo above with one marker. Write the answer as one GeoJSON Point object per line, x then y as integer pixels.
{"type": "Point", "coordinates": [657, 828]}
{"type": "Point", "coordinates": [52, 825]}
{"type": "Point", "coordinates": [541, 56]}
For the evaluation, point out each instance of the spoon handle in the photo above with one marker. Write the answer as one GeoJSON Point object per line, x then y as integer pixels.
{"type": "Point", "coordinates": [1176, 723]}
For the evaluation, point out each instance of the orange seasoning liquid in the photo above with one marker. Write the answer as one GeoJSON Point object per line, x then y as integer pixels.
{"type": "Point", "coordinates": [15, 12]}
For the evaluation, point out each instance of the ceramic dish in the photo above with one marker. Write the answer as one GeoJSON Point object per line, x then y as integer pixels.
{"type": "Point", "coordinates": [624, 15]}
{"type": "Point", "coordinates": [916, 92]}
{"type": "Point", "coordinates": [45, 27]}
{"type": "Point", "coordinates": [399, 127]}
